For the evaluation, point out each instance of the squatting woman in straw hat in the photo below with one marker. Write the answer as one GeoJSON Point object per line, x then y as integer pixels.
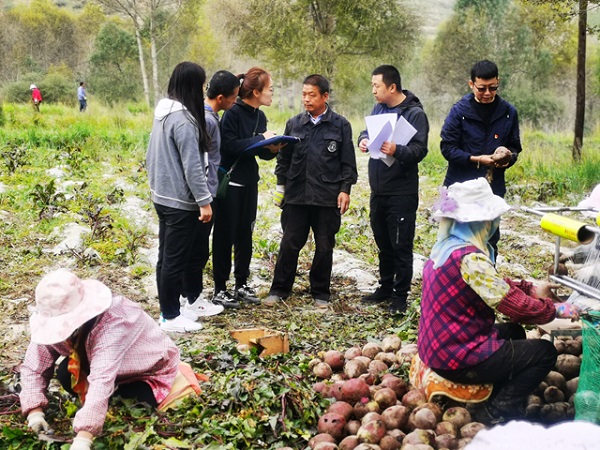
{"type": "Point", "coordinates": [111, 347]}
{"type": "Point", "coordinates": [462, 292]}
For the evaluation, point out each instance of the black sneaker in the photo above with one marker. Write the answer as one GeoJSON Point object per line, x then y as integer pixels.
{"type": "Point", "coordinates": [226, 299]}
{"type": "Point", "coordinates": [380, 295]}
{"type": "Point", "coordinates": [246, 294]}
{"type": "Point", "coordinates": [397, 304]}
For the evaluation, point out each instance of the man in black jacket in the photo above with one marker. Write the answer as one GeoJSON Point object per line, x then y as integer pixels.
{"type": "Point", "coordinates": [314, 178]}
{"type": "Point", "coordinates": [395, 188]}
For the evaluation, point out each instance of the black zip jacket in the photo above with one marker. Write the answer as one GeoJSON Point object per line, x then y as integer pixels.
{"type": "Point", "coordinates": [402, 177]}
{"type": "Point", "coordinates": [241, 126]}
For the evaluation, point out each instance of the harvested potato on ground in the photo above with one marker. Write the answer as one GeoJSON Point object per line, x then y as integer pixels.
{"type": "Point", "coordinates": [555, 378]}
{"type": "Point", "coordinates": [568, 365]}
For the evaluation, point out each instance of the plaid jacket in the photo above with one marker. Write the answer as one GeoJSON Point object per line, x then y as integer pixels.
{"type": "Point", "coordinates": [457, 327]}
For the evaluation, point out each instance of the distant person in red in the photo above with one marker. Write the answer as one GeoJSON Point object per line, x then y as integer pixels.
{"type": "Point", "coordinates": [36, 97]}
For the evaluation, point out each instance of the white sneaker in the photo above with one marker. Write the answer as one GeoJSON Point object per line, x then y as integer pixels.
{"type": "Point", "coordinates": [201, 308]}
{"type": "Point", "coordinates": [182, 301]}
{"type": "Point", "coordinates": [179, 324]}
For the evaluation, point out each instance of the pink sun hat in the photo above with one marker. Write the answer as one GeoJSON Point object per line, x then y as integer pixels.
{"type": "Point", "coordinates": [63, 303]}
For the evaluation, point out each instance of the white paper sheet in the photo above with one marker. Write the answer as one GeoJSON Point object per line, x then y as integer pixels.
{"type": "Point", "coordinates": [385, 127]}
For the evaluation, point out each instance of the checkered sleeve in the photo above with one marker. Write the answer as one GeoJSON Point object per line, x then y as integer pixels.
{"type": "Point", "coordinates": [525, 309]}
{"type": "Point", "coordinates": [36, 371]}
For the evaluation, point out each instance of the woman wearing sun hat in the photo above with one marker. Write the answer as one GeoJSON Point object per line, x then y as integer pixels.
{"type": "Point", "coordinates": [462, 292]}
{"type": "Point", "coordinates": [111, 347]}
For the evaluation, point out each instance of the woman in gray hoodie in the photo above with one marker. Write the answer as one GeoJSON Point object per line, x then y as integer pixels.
{"type": "Point", "coordinates": [177, 173]}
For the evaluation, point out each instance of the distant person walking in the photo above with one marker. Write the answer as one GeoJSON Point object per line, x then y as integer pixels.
{"type": "Point", "coordinates": [36, 97]}
{"type": "Point", "coordinates": [82, 97]}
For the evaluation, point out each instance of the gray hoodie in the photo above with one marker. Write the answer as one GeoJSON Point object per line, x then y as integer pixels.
{"type": "Point", "coordinates": [176, 168]}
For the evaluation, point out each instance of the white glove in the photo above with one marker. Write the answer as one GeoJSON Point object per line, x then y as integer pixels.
{"type": "Point", "coordinates": [81, 443]}
{"type": "Point", "coordinates": [37, 422]}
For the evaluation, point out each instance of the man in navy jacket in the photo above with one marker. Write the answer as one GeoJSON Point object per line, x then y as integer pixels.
{"type": "Point", "coordinates": [480, 136]}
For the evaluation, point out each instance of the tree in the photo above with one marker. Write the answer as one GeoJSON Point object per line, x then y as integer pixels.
{"type": "Point", "coordinates": [113, 65]}
{"type": "Point", "coordinates": [565, 10]}
{"type": "Point", "coordinates": [316, 36]}
{"type": "Point", "coordinates": [156, 20]}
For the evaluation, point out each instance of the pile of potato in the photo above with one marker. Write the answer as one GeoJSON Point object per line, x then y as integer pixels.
{"type": "Point", "coordinates": [375, 409]}
{"type": "Point", "coordinates": [554, 399]}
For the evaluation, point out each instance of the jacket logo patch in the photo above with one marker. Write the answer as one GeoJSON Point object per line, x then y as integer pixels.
{"type": "Point", "coordinates": [332, 147]}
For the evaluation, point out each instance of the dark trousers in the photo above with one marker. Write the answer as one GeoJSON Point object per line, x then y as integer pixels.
{"type": "Point", "coordinates": [138, 390]}
{"type": "Point", "coordinates": [516, 369]}
{"type": "Point", "coordinates": [82, 105]}
{"type": "Point", "coordinates": [393, 220]}
{"type": "Point", "coordinates": [234, 224]}
{"type": "Point", "coordinates": [176, 234]}
{"type": "Point", "coordinates": [192, 284]}
{"type": "Point", "coordinates": [296, 222]}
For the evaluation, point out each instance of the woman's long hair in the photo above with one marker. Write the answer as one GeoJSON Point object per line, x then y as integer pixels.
{"type": "Point", "coordinates": [186, 85]}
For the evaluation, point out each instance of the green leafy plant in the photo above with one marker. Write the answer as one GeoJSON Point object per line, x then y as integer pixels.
{"type": "Point", "coordinates": [47, 199]}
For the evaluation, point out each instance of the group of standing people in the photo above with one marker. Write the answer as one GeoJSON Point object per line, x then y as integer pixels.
{"type": "Point", "coordinates": [186, 160]}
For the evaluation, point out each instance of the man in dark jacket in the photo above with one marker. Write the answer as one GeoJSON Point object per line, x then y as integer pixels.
{"type": "Point", "coordinates": [395, 188]}
{"type": "Point", "coordinates": [314, 178]}
{"type": "Point", "coordinates": [480, 136]}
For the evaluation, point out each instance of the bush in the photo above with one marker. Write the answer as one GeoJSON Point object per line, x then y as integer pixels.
{"type": "Point", "coordinates": [55, 88]}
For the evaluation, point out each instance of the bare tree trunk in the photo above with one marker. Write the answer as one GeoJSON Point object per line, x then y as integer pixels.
{"type": "Point", "coordinates": [138, 37]}
{"type": "Point", "coordinates": [580, 96]}
{"type": "Point", "coordinates": [154, 56]}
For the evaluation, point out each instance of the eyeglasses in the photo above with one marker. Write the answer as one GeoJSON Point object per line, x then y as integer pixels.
{"type": "Point", "coordinates": [482, 89]}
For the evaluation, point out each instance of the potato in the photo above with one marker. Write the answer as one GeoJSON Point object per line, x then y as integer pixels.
{"type": "Point", "coordinates": [326, 446]}
{"type": "Point", "coordinates": [448, 441]}
{"type": "Point", "coordinates": [371, 432]}
{"type": "Point", "coordinates": [377, 367]}
{"type": "Point", "coordinates": [571, 388]}
{"type": "Point", "coordinates": [349, 443]}
{"type": "Point", "coordinates": [573, 347]}
{"type": "Point", "coordinates": [555, 379]}
{"type": "Point", "coordinates": [446, 428]}
{"type": "Point", "coordinates": [388, 358]}
{"type": "Point", "coordinates": [391, 343]}
{"type": "Point", "coordinates": [332, 424]}
{"type": "Point", "coordinates": [554, 412]}
{"type": "Point", "coordinates": [396, 383]}
{"type": "Point", "coordinates": [355, 368]}
{"type": "Point", "coordinates": [335, 359]}
{"type": "Point", "coordinates": [342, 408]}
{"type": "Point", "coordinates": [371, 349]}
{"type": "Point", "coordinates": [552, 394]}
{"type": "Point", "coordinates": [471, 429]}
{"type": "Point", "coordinates": [560, 346]}
{"type": "Point", "coordinates": [390, 443]}
{"type": "Point", "coordinates": [414, 398]}
{"type": "Point", "coordinates": [322, 370]}
{"type": "Point", "coordinates": [568, 365]}
{"type": "Point", "coordinates": [419, 437]}
{"type": "Point", "coordinates": [321, 437]}
{"type": "Point", "coordinates": [352, 353]}
{"type": "Point", "coordinates": [395, 417]}
{"type": "Point", "coordinates": [386, 397]}
{"type": "Point", "coordinates": [352, 427]}
{"type": "Point", "coordinates": [457, 415]}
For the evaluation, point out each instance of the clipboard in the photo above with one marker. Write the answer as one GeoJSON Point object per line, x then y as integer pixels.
{"type": "Point", "coordinates": [271, 141]}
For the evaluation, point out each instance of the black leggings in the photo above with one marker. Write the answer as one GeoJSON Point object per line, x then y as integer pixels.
{"type": "Point", "coordinates": [515, 369]}
{"type": "Point", "coordinates": [137, 389]}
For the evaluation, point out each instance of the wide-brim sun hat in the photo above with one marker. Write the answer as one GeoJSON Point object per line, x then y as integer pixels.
{"type": "Point", "coordinates": [63, 303]}
{"type": "Point", "coordinates": [469, 201]}
{"type": "Point", "coordinates": [32, 87]}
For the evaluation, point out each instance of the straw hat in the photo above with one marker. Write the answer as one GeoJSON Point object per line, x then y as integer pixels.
{"type": "Point", "coordinates": [63, 303]}
{"type": "Point", "coordinates": [469, 201]}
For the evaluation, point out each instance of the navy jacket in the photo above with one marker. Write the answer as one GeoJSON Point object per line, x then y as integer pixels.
{"type": "Point", "coordinates": [320, 166]}
{"type": "Point", "coordinates": [402, 177]}
{"type": "Point", "coordinates": [465, 134]}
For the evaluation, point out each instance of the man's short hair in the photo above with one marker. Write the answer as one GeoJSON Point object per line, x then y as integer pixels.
{"type": "Point", "coordinates": [484, 70]}
{"type": "Point", "coordinates": [389, 75]}
{"type": "Point", "coordinates": [319, 81]}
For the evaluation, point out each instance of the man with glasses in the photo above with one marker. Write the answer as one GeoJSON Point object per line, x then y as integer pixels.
{"type": "Point", "coordinates": [480, 136]}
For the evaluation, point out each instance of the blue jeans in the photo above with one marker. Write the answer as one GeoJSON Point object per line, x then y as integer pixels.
{"type": "Point", "coordinates": [177, 230]}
